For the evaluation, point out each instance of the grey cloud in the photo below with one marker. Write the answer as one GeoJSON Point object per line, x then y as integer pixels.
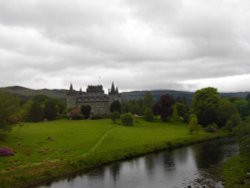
{"type": "Point", "coordinates": [140, 44]}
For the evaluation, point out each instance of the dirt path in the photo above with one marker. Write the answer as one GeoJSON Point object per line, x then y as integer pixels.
{"type": "Point", "coordinates": [93, 148]}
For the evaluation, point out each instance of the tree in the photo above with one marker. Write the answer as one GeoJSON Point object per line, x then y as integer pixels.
{"type": "Point", "coordinates": [9, 106]}
{"type": "Point", "coordinates": [35, 113]}
{"type": "Point", "coordinates": [183, 110]}
{"type": "Point", "coordinates": [193, 125]}
{"type": "Point", "coordinates": [175, 116]}
{"type": "Point", "coordinates": [127, 119]}
{"type": "Point", "coordinates": [205, 103]}
{"type": "Point", "coordinates": [115, 116]}
{"type": "Point", "coordinates": [116, 106]}
{"type": "Point", "coordinates": [225, 110]}
{"type": "Point", "coordinates": [148, 114]}
{"type": "Point", "coordinates": [164, 107]}
{"type": "Point", "coordinates": [242, 106]}
{"type": "Point", "coordinates": [148, 100]}
{"type": "Point", "coordinates": [235, 119]}
{"type": "Point", "coordinates": [50, 109]}
{"type": "Point", "coordinates": [86, 110]}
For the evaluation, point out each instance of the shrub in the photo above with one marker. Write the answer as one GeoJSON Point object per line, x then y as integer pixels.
{"type": "Point", "coordinates": [127, 119]}
{"type": "Point", "coordinates": [193, 125]}
{"type": "Point", "coordinates": [115, 116]}
{"type": "Point", "coordinates": [229, 125]}
{"type": "Point", "coordinates": [211, 128]}
{"type": "Point", "coordinates": [75, 113]}
{"type": "Point", "coordinates": [6, 151]}
{"type": "Point", "coordinates": [148, 114]}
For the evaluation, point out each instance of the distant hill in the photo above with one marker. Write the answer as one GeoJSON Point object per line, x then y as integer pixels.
{"type": "Point", "coordinates": [23, 92]}
{"type": "Point", "coordinates": [27, 93]}
{"type": "Point", "coordinates": [134, 95]}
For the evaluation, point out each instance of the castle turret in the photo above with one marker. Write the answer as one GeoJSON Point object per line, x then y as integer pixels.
{"type": "Point", "coordinates": [71, 97]}
{"type": "Point", "coordinates": [114, 94]}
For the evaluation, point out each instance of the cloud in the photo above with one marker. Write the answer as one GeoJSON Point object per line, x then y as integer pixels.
{"type": "Point", "coordinates": [139, 44]}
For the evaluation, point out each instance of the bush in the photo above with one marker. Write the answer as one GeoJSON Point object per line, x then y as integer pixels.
{"type": "Point", "coordinates": [6, 151]}
{"type": "Point", "coordinates": [115, 116]}
{"type": "Point", "coordinates": [193, 125]}
{"type": "Point", "coordinates": [229, 125]}
{"type": "Point", "coordinates": [127, 119]}
{"type": "Point", "coordinates": [75, 114]}
{"type": "Point", "coordinates": [148, 114]}
{"type": "Point", "coordinates": [211, 128]}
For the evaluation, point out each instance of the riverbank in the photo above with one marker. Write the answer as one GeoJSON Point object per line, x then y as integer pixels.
{"type": "Point", "coordinates": [50, 150]}
{"type": "Point", "coordinates": [235, 172]}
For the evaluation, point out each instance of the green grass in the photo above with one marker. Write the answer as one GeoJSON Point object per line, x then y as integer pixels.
{"type": "Point", "coordinates": [235, 170]}
{"type": "Point", "coordinates": [50, 149]}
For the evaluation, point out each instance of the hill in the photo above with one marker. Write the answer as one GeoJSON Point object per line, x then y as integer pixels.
{"type": "Point", "coordinates": [23, 93]}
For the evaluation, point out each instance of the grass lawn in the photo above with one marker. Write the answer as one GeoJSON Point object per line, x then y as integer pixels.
{"type": "Point", "coordinates": [49, 149]}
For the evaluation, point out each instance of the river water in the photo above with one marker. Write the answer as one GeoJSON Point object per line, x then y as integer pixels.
{"type": "Point", "coordinates": [191, 166]}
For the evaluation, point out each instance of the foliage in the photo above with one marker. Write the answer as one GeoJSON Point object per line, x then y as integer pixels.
{"type": "Point", "coordinates": [205, 103]}
{"type": "Point", "coordinates": [225, 110]}
{"type": "Point", "coordinates": [183, 110]}
{"type": "Point", "coordinates": [6, 151]}
{"type": "Point", "coordinates": [235, 119]}
{"type": "Point", "coordinates": [138, 106]}
{"type": "Point", "coordinates": [115, 116]}
{"type": "Point", "coordinates": [9, 106]}
{"type": "Point", "coordinates": [86, 110]}
{"type": "Point", "coordinates": [241, 105]}
{"type": "Point", "coordinates": [148, 100]}
{"type": "Point", "coordinates": [175, 116]}
{"type": "Point", "coordinates": [148, 114]}
{"type": "Point", "coordinates": [211, 128]}
{"type": "Point", "coordinates": [164, 107]}
{"type": "Point", "coordinates": [229, 125]}
{"type": "Point", "coordinates": [50, 110]}
{"type": "Point", "coordinates": [193, 125]}
{"type": "Point", "coordinates": [36, 113]}
{"type": "Point", "coordinates": [116, 106]}
{"type": "Point", "coordinates": [127, 119]}
{"type": "Point", "coordinates": [75, 114]}
{"type": "Point", "coordinates": [243, 135]}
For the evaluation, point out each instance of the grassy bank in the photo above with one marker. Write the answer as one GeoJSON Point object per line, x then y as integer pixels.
{"type": "Point", "coordinates": [45, 151]}
{"type": "Point", "coordinates": [235, 172]}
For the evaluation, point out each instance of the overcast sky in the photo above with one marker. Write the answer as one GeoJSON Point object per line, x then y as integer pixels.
{"type": "Point", "coordinates": [138, 44]}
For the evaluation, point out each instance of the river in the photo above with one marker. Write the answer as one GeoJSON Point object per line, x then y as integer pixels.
{"type": "Point", "coordinates": [190, 166]}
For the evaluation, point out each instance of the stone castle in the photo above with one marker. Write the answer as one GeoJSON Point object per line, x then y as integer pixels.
{"type": "Point", "coordinates": [94, 97]}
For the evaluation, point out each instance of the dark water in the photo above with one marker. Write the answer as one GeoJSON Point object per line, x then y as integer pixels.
{"type": "Point", "coordinates": [194, 166]}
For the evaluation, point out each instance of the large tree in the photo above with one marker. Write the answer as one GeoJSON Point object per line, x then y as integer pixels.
{"type": "Point", "coordinates": [225, 110]}
{"type": "Point", "coordinates": [148, 100]}
{"type": "Point", "coordinates": [116, 106]}
{"type": "Point", "coordinates": [50, 109]}
{"type": "Point", "coordinates": [205, 104]}
{"type": "Point", "coordinates": [35, 112]}
{"type": "Point", "coordinates": [164, 107]}
{"type": "Point", "coordinates": [9, 106]}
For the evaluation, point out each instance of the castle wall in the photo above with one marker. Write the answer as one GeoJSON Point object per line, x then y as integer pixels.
{"type": "Point", "coordinates": [71, 102]}
{"type": "Point", "coordinates": [97, 108]}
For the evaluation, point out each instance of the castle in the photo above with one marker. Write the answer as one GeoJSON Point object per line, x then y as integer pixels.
{"type": "Point", "coordinates": [94, 97]}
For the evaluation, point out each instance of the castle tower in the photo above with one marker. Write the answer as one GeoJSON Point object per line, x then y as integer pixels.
{"type": "Point", "coordinates": [71, 98]}
{"type": "Point", "coordinates": [114, 94]}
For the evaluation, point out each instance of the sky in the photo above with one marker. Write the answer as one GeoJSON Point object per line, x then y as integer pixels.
{"type": "Point", "coordinates": [138, 44]}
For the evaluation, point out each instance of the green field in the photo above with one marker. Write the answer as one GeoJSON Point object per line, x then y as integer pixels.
{"type": "Point", "coordinates": [50, 149]}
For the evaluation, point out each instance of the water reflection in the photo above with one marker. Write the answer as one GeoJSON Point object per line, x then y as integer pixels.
{"type": "Point", "coordinates": [193, 165]}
